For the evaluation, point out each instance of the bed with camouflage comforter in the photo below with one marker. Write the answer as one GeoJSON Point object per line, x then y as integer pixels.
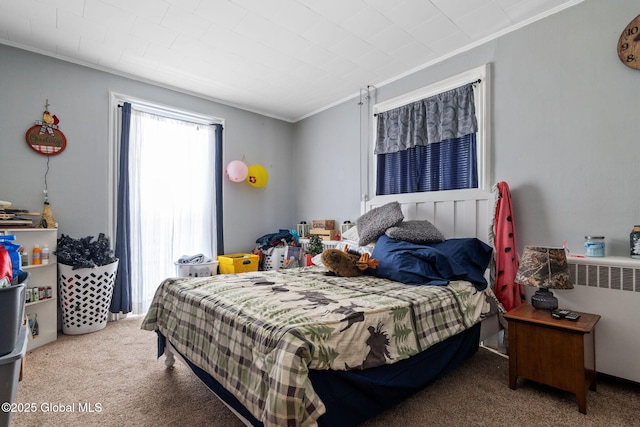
{"type": "Point", "coordinates": [258, 334]}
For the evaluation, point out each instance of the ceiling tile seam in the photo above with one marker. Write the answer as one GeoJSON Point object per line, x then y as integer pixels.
{"type": "Point", "coordinates": [31, 31]}
{"type": "Point", "coordinates": [449, 55]}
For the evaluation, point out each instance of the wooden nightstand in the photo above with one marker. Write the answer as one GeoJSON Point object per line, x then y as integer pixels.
{"type": "Point", "coordinates": [556, 352]}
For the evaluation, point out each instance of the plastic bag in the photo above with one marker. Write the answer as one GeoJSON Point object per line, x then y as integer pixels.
{"type": "Point", "coordinates": [274, 258]}
{"type": "Point", "coordinates": [14, 256]}
{"type": "Point", "coordinates": [293, 257]}
{"type": "Point", "coordinates": [6, 275]}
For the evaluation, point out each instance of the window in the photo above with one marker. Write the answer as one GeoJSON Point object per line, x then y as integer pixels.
{"type": "Point", "coordinates": [447, 165]}
{"type": "Point", "coordinates": [171, 203]}
{"type": "Point", "coordinates": [469, 168]}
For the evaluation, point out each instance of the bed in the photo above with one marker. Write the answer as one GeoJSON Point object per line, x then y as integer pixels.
{"type": "Point", "coordinates": [300, 347]}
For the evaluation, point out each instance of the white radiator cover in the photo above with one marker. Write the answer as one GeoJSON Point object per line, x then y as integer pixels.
{"type": "Point", "coordinates": [326, 244]}
{"type": "Point", "coordinates": [610, 287]}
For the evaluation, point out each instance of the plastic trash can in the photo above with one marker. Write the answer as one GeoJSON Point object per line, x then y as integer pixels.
{"type": "Point", "coordinates": [11, 312]}
{"type": "Point", "coordinates": [10, 374]}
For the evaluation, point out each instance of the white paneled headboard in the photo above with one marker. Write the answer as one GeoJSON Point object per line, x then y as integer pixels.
{"type": "Point", "coordinates": [459, 213]}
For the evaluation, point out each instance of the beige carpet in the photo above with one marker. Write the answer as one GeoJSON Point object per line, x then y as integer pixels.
{"type": "Point", "coordinates": [115, 373]}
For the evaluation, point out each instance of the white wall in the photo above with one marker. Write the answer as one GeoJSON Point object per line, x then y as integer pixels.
{"type": "Point", "coordinates": [327, 165]}
{"type": "Point", "coordinates": [565, 127]}
{"type": "Point", "coordinates": [78, 177]}
{"type": "Point", "coordinates": [565, 138]}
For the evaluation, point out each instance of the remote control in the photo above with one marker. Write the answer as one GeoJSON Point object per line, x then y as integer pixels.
{"type": "Point", "coordinates": [572, 316]}
{"type": "Point", "coordinates": [559, 314]}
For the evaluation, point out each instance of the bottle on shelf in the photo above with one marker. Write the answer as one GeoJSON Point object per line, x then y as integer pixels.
{"type": "Point", "coordinates": [24, 256]}
{"type": "Point", "coordinates": [44, 255]}
{"type": "Point", "coordinates": [35, 254]}
{"type": "Point", "coordinates": [634, 240]}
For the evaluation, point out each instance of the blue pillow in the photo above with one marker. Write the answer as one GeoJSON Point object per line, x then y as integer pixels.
{"type": "Point", "coordinates": [433, 264]}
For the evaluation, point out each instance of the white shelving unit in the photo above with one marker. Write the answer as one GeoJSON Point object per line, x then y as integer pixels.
{"type": "Point", "coordinates": [44, 275]}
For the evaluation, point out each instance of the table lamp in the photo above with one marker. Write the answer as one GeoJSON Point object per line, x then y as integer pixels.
{"type": "Point", "coordinates": [545, 268]}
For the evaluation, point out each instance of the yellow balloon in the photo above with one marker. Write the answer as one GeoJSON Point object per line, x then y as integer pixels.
{"type": "Point", "coordinates": [257, 176]}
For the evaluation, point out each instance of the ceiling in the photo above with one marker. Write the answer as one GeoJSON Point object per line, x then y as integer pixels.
{"type": "Point", "coordinates": [283, 58]}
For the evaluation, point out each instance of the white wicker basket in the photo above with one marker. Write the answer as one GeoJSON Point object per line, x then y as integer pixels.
{"type": "Point", "coordinates": [85, 296]}
{"type": "Point", "coordinates": [203, 269]}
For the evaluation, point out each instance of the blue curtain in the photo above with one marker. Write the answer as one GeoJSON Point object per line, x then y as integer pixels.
{"type": "Point", "coordinates": [218, 174]}
{"type": "Point", "coordinates": [121, 300]}
{"type": "Point", "coordinates": [445, 116]}
{"type": "Point", "coordinates": [446, 165]}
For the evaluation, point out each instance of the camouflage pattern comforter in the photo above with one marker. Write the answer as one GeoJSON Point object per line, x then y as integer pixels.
{"type": "Point", "coordinates": [259, 334]}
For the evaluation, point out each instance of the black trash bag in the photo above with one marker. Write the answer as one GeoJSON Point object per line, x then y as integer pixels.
{"type": "Point", "coordinates": [84, 252]}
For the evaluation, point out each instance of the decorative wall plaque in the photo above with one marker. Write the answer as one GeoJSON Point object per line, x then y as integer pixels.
{"type": "Point", "coordinates": [46, 137]}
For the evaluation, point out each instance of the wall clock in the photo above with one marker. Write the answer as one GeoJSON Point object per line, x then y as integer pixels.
{"type": "Point", "coordinates": [629, 44]}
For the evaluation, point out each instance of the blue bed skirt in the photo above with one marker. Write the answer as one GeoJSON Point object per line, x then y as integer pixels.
{"type": "Point", "coordinates": [351, 397]}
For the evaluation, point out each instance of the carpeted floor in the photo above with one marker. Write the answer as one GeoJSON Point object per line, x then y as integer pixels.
{"type": "Point", "coordinates": [112, 378]}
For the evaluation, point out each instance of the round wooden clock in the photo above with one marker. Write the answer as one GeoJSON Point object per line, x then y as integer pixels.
{"type": "Point", "coordinates": [629, 44]}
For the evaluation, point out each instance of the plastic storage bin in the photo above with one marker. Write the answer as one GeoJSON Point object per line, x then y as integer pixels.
{"type": "Point", "coordinates": [10, 373]}
{"type": "Point", "coordinates": [11, 312]}
{"type": "Point", "coordinates": [201, 269]}
{"type": "Point", "coordinates": [85, 297]}
{"type": "Point", "coordinates": [238, 263]}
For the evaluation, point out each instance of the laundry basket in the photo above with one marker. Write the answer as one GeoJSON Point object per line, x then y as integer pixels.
{"type": "Point", "coordinates": [85, 296]}
{"type": "Point", "coordinates": [202, 269]}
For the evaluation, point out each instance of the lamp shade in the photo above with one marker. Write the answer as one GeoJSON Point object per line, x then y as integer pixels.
{"type": "Point", "coordinates": [545, 268]}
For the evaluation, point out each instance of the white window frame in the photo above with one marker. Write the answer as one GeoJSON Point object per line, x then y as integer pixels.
{"type": "Point", "coordinates": [157, 108]}
{"type": "Point", "coordinates": [483, 114]}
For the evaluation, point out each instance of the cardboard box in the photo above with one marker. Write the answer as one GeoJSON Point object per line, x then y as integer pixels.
{"type": "Point", "coordinates": [238, 263]}
{"type": "Point", "coordinates": [326, 224]}
{"type": "Point", "coordinates": [325, 234]}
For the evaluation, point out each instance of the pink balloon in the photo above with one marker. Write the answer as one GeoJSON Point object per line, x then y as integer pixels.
{"type": "Point", "coordinates": [237, 171]}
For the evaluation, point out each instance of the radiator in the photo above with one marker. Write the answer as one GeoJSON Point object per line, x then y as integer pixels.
{"type": "Point", "coordinates": [610, 287]}
{"type": "Point", "coordinates": [608, 272]}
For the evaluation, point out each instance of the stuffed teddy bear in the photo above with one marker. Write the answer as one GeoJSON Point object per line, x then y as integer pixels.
{"type": "Point", "coordinates": [347, 264]}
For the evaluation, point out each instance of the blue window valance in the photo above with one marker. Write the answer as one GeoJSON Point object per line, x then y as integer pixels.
{"type": "Point", "coordinates": [441, 117]}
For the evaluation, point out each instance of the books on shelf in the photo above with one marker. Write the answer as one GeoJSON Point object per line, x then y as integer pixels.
{"type": "Point", "coordinates": [16, 221]}
{"type": "Point", "coordinates": [17, 218]}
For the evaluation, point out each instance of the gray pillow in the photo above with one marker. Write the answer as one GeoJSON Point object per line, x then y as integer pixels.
{"type": "Point", "coordinates": [416, 232]}
{"type": "Point", "coordinates": [374, 223]}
